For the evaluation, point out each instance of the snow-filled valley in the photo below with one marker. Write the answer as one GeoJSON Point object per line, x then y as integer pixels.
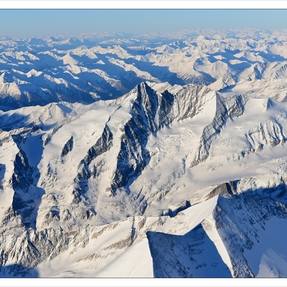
{"type": "Point", "coordinates": [144, 157]}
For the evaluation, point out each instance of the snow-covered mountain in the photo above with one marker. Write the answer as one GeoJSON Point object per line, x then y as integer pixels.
{"type": "Point", "coordinates": [152, 158]}
{"type": "Point", "coordinates": [42, 71]}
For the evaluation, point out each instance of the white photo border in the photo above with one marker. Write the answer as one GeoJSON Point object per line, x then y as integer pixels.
{"type": "Point", "coordinates": [143, 4]}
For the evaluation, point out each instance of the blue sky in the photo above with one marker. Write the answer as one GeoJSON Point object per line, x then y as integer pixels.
{"type": "Point", "coordinates": [27, 23]}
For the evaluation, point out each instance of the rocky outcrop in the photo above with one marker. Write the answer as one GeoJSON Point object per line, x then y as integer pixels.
{"type": "Point", "coordinates": [67, 147]}
{"type": "Point", "coordinates": [85, 169]}
{"type": "Point", "coordinates": [226, 109]}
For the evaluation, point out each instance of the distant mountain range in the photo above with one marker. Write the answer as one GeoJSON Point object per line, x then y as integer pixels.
{"type": "Point", "coordinates": [42, 71]}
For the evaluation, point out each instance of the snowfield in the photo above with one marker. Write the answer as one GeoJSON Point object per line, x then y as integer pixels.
{"type": "Point", "coordinates": [165, 159]}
